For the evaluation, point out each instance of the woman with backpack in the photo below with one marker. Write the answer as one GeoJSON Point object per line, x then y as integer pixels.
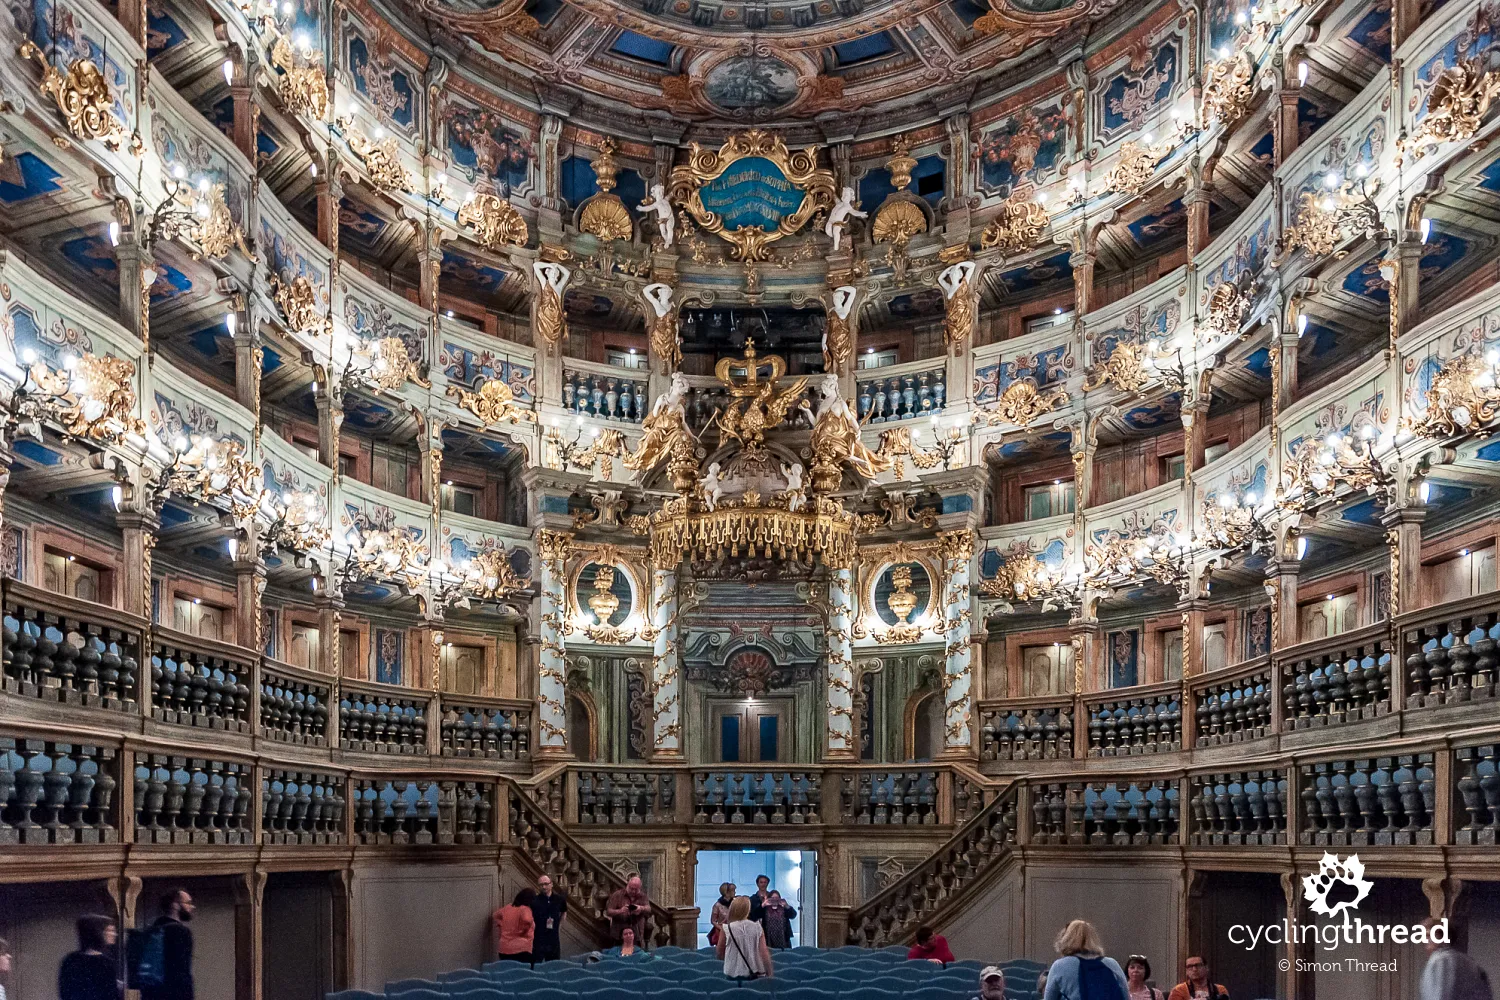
{"type": "Point", "coordinates": [1083, 972]}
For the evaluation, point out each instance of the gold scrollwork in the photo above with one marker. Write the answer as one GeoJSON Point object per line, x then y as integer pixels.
{"type": "Point", "coordinates": [298, 302]}
{"type": "Point", "coordinates": [1456, 104]}
{"type": "Point", "coordinates": [897, 222]}
{"type": "Point", "coordinates": [216, 232]}
{"type": "Point", "coordinates": [385, 363]}
{"type": "Point", "coordinates": [1022, 402]}
{"type": "Point", "coordinates": [606, 217]}
{"type": "Point", "coordinates": [495, 220]}
{"type": "Point", "coordinates": [1226, 309]}
{"type": "Point", "coordinates": [1017, 229]}
{"type": "Point", "coordinates": [494, 403]}
{"type": "Point", "coordinates": [1125, 370]}
{"type": "Point", "coordinates": [303, 89]}
{"type": "Point", "coordinates": [93, 400]}
{"type": "Point", "coordinates": [382, 161]}
{"type": "Point", "coordinates": [1462, 399]}
{"type": "Point", "coordinates": [1229, 87]}
{"type": "Point", "coordinates": [799, 167]}
{"type": "Point", "coordinates": [1133, 170]}
{"type": "Point", "coordinates": [82, 95]}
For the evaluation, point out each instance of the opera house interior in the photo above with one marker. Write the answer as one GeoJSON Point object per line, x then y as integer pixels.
{"type": "Point", "coordinates": [981, 463]}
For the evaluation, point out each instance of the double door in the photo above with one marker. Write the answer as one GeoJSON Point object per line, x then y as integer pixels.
{"type": "Point", "coordinates": [750, 732]}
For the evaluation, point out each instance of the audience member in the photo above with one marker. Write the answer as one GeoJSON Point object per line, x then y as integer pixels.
{"type": "Point", "coordinates": [930, 947]}
{"type": "Point", "coordinates": [758, 901]}
{"type": "Point", "coordinates": [719, 915]}
{"type": "Point", "coordinates": [1450, 974]}
{"type": "Point", "coordinates": [1083, 972]}
{"type": "Point", "coordinates": [166, 973]}
{"type": "Point", "coordinates": [742, 946]}
{"type": "Point", "coordinates": [515, 927]}
{"type": "Point", "coordinates": [627, 943]}
{"type": "Point", "coordinates": [1197, 986]}
{"type": "Point", "coordinates": [4, 964]}
{"type": "Point", "coordinates": [992, 983]}
{"type": "Point", "coordinates": [90, 972]}
{"type": "Point", "coordinates": [776, 917]}
{"type": "Point", "coordinates": [1137, 979]}
{"type": "Point", "coordinates": [628, 907]}
{"type": "Point", "coordinates": [548, 908]}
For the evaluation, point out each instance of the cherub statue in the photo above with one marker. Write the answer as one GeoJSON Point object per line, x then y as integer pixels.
{"type": "Point", "coordinates": [658, 205]}
{"type": "Point", "coordinates": [795, 499]}
{"type": "Point", "coordinates": [838, 217]}
{"type": "Point", "coordinates": [713, 489]}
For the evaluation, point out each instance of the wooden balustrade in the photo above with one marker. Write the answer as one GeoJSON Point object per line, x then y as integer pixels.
{"type": "Point", "coordinates": [587, 881]}
{"type": "Point", "coordinates": [550, 795]}
{"type": "Point", "coordinates": [1239, 808]}
{"type": "Point", "coordinates": [1137, 721]}
{"type": "Point", "coordinates": [191, 800]}
{"type": "Point", "coordinates": [57, 793]}
{"type": "Point", "coordinates": [489, 728]}
{"type": "Point", "coordinates": [1231, 706]}
{"type": "Point", "coordinates": [60, 649]}
{"type": "Point", "coordinates": [1369, 801]}
{"type": "Point", "coordinates": [1344, 678]}
{"type": "Point", "coordinates": [1119, 812]}
{"type": "Point", "coordinates": [301, 807]}
{"type": "Point", "coordinates": [774, 797]}
{"type": "Point", "coordinates": [917, 897]}
{"type": "Point", "coordinates": [1477, 781]}
{"type": "Point", "coordinates": [1026, 729]}
{"type": "Point", "coordinates": [294, 704]}
{"type": "Point", "coordinates": [200, 682]}
{"type": "Point", "coordinates": [423, 811]}
{"type": "Point", "coordinates": [893, 798]}
{"type": "Point", "coordinates": [379, 718]}
{"type": "Point", "coordinates": [626, 797]}
{"type": "Point", "coordinates": [1451, 656]}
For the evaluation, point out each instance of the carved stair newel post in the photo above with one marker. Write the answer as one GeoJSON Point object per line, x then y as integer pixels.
{"type": "Point", "coordinates": [666, 674]}
{"type": "Point", "coordinates": [841, 745]}
{"type": "Point", "coordinates": [957, 548]}
{"type": "Point", "coordinates": [551, 696]}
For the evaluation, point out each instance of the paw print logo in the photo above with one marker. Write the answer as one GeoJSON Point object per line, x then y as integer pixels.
{"type": "Point", "coordinates": [1337, 885]}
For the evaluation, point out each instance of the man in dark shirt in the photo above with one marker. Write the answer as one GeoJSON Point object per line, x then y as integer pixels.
{"type": "Point", "coordinates": [629, 907]}
{"type": "Point", "coordinates": [177, 911]}
{"type": "Point", "coordinates": [549, 908]}
{"type": "Point", "coordinates": [758, 901]}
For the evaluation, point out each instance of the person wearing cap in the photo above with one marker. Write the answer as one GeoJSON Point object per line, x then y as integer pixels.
{"type": "Point", "coordinates": [930, 947]}
{"type": "Point", "coordinates": [991, 983]}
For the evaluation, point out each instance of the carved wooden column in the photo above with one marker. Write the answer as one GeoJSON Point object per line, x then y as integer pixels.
{"type": "Point", "coordinates": [1402, 269]}
{"type": "Point", "coordinates": [841, 744]}
{"type": "Point", "coordinates": [248, 356]}
{"type": "Point", "coordinates": [1197, 202]}
{"type": "Point", "coordinates": [1406, 16]}
{"type": "Point", "coordinates": [249, 945]}
{"type": "Point", "coordinates": [430, 266]}
{"type": "Point", "coordinates": [138, 522]}
{"type": "Point", "coordinates": [135, 265]}
{"type": "Point", "coordinates": [551, 697]}
{"type": "Point", "coordinates": [341, 888]}
{"type": "Point", "coordinates": [1284, 133]}
{"type": "Point", "coordinates": [959, 186]}
{"type": "Point", "coordinates": [1404, 537]}
{"type": "Point", "coordinates": [1281, 583]}
{"type": "Point", "coordinates": [329, 400]}
{"type": "Point", "coordinates": [330, 605]}
{"type": "Point", "coordinates": [249, 587]}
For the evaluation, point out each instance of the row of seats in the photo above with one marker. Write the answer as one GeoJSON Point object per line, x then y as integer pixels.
{"type": "Point", "coordinates": [672, 973]}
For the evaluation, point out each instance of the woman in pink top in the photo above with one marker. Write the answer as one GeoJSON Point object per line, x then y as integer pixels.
{"type": "Point", "coordinates": [514, 927]}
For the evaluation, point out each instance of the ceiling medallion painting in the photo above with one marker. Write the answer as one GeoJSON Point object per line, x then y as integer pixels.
{"type": "Point", "coordinates": [752, 191]}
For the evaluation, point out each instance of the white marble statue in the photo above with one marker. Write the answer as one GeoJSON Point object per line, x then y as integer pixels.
{"type": "Point", "coordinates": [659, 297]}
{"type": "Point", "coordinates": [713, 489]}
{"type": "Point", "coordinates": [838, 217]}
{"type": "Point", "coordinates": [659, 206]}
{"type": "Point", "coordinates": [794, 495]}
{"type": "Point", "coordinates": [955, 277]}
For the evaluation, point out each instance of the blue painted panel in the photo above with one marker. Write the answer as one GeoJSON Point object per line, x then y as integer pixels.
{"type": "Point", "coordinates": [1124, 658]}
{"type": "Point", "coordinates": [869, 47]}
{"type": "Point", "coordinates": [637, 46]}
{"type": "Point", "coordinates": [25, 176]}
{"type": "Point", "coordinates": [769, 737]}
{"type": "Point", "coordinates": [752, 192]}
{"type": "Point", "coordinates": [729, 739]}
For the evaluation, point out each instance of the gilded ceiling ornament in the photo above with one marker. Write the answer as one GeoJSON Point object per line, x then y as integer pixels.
{"type": "Point", "coordinates": [1456, 104]}
{"type": "Point", "coordinates": [92, 398]}
{"type": "Point", "coordinates": [216, 232]}
{"type": "Point", "coordinates": [605, 216]}
{"type": "Point", "coordinates": [663, 336]}
{"type": "Point", "coordinates": [756, 404]}
{"type": "Point", "coordinates": [495, 220]}
{"type": "Point", "coordinates": [962, 304]}
{"type": "Point", "coordinates": [1022, 402]}
{"type": "Point", "coordinates": [213, 470]}
{"type": "Point", "coordinates": [385, 363]}
{"type": "Point", "coordinates": [793, 169]}
{"type": "Point", "coordinates": [897, 221]}
{"type": "Point", "coordinates": [549, 320]}
{"type": "Point", "coordinates": [488, 576]}
{"type": "Point", "coordinates": [1229, 87]}
{"type": "Point", "coordinates": [494, 403]}
{"type": "Point", "coordinates": [835, 441]}
{"type": "Point", "coordinates": [838, 337]}
{"type": "Point", "coordinates": [298, 302]}
{"type": "Point", "coordinates": [1462, 399]}
{"type": "Point", "coordinates": [82, 95]}
{"type": "Point", "coordinates": [382, 161]}
{"type": "Point", "coordinates": [1133, 170]}
{"type": "Point", "coordinates": [666, 436]}
{"type": "Point", "coordinates": [1326, 219]}
{"type": "Point", "coordinates": [303, 89]}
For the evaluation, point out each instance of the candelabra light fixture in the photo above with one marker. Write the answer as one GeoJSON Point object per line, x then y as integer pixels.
{"type": "Point", "coordinates": [1158, 554]}
{"type": "Point", "coordinates": [297, 522]}
{"type": "Point", "coordinates": [213, 470]}
{"type": "Point", "coordinates": [1343, 210]}
{"type": "Point", "coordinates": [1132, 367]}
{"type": "Point", "coordinates": [602, 448]}
{"type": "Point", "coordinates": [383, 363]}
{"type": "Point", "coordinates": [1023, 578]}
{"type": "Point", "coordinates": [901, 443]}
{"type": "Point", "coordinates": [196, 214]}
{"type": "Point", "coordinates": [485, 576]}
{"type": "Point", "coordinates": [1321, 467]}
{"type": "Point", "coordinates": [92, 397]}
{"type": "Point", "coordinates": [1230, 522]}
{"type": "Point", "coordinates": [397, 555]}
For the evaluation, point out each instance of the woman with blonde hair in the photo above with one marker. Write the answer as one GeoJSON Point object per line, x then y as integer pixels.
{"type": "Point", "coordinates": [742, 944]}
{"type": "Point", "coordinates": [719, 915]}
{"type": "Point", "coordinates": [1083, 972]}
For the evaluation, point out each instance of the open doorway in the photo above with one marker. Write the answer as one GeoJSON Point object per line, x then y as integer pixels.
{"type": "Point", "coordinates": [793, 873]}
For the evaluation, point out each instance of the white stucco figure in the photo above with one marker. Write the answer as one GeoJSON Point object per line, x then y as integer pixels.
{"type": "Point", "coordinates": [659, 206]}
{"type": "Point", "coordinates": [838, 217]}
